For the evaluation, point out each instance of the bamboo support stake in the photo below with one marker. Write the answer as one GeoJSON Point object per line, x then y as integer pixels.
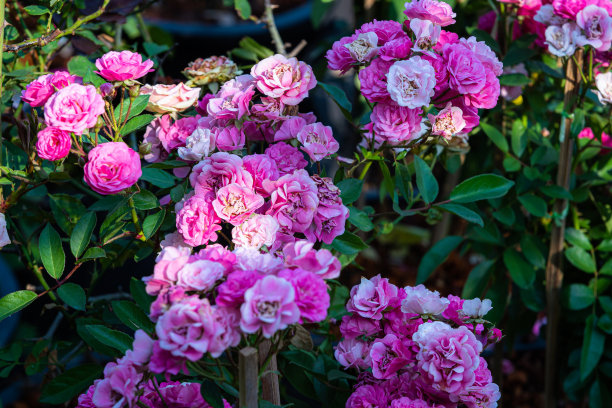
{"type": "Point", "coordinates": [269, 380]}
{"type": "Point", "coordinates": [554, 266]}
{"type": "Point", "coordinates": [248, 370]}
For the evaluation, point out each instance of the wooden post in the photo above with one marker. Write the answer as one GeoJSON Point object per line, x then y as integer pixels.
{"type": "Point", "coordinates": [554, 265]}
{"type": "Point", "coordinates": [270, 389]}
{"type": "Point", "coordinates": [248, 371]}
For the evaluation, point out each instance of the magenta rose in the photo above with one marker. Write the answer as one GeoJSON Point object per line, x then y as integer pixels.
{"type": "Point", "coordinates": [311, 294]}
{"type": "Point", "coordinates": [74, 108]}
{"type": "Point", "coordinates": [385, 30]}
{"type": "Point", "coordinates": [301, 254]}
{"type": "Point", "coordinates": [394, 125]}
{"type": "Point", "coordinates": [230, 138]}
{"type": "Point", "coordinates": [235, 203]}
{"type": "Point", "coordinates": [368, 396]}
{"type": "Point", "coordinates": [232, 100]}
{"type": "Point", "coordinates": [388, 356]}
{"type": "Point", "coordinates": [284, 78]}
{"type": "Point", "coordinates": [177, 134]}
{"type": "Point", "coordinates": [317, 141]}
{"type": "Point", "coordinates": [231, 292]}
{"type": "Point", "coordinates": [38, 92]}
{"type": "Point", "coordinates": [53, 143]}
{"type": "Point", "coordinates": [112, 167]}
{"type": "Point", "coordinates": [373, 80]}
{"type": "Point", "coordinates": [154, 134]}
{"type": "Point", "coordinates": [338, 56]}
{"type": "Point", "coordinates": [372, 297]}
{"type": "Point", "coordinates": [435, 11]}
{"type": "Point", "coordinates": [262, 168]}
{"type": "Point", "coordinates": [122, 66]}
{"type": "Point", "coordinates": [197, 221]}
{"type": "Point", "coordinates": [287, 158]}
{"type": "Point", "coordinates": [466, 73]}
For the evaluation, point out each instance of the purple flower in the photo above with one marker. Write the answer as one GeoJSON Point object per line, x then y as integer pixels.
{"type": "Point", "coordinates": [317, 141]}
{"type": "Point", "coordinates": [353, 326]}
{"type": "Point", "coordinates": [339, 57]}
{"type": "Point", "coordinates": [154, 133]}
{"type": "Point", "coordinates": [385, 30]}
{"type": "Point", "coordinates": [230, 293]}
{"type": "Point", "coordinates": [368, 396]}
{"type": "Point", "coordinates": [353, 353]}
{"type": "Point", "coordinates": [561, 40]}
{"type": "Point", "coordinates": [373, 80]}
{"type": "Point", "coordinates": [118, 388]}
{"type": "Point", "coordinates": [596, 26]}
{"type": "Point", "coordinates": [371, 297]}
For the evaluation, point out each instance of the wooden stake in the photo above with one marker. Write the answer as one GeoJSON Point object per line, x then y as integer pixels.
{"type": "Point", "coordinates": [248, 371]}
{"type": "Point", "coordinates": [270, 390]}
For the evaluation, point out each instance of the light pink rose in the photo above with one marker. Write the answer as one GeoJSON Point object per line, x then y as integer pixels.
{"type": "Point", "coordinates": [353, 353]}
{"type": "Point", "coordinates": [411, 82]}
{"type": "Point", "coordinates": [112, 167]}
{"type": "Point", "coordinates": [154, 133]}
{"type": "Point", "coordinates": [170, 98]}
{"type": "Point", "coordinates": [255, 232]}
{"type": "Point", "coordinates": [394, 125]}
{"type": "Point", "coordinates": [448, 122]}
{"type": "Point", "coordinates": [219, 254]}
{"type": "Point", "coordinates": [435, 11]}
{"type": "Point", "coordinates": [266, 263]}
{"type": "Point", "coordinates": [178, 132]}
{"type": "Point", "coordinates": [290, 128]}
{"type": "Point", "coordinates": [167, 266]}
{"type": "Point", "coordinates": [200, 275]}
{"type": "Point", "coordinates": [53, 143]}
{"type": "Point", "coordinates": [596, 26]}
{"type": "Point", "coordinates": [372, 297]}
{"type": "Point", "coordinates": [317, 141]}
{"type": "Point", "coordinates": [118, 388]}
{"type": "Point", "coordinates": [197, 221]}
{"type": "Point", "coordinates": [419, 300]}
{"type": "Point", "coordinates": [561, 40]}
{"type": "Point", "coordinates": [287, 158]}
{"type": "Point", "coordinates": [364, 47]}
{"type": "Point", "coordinates": [38, 92]}
{"type": "Point", "coordinates": [122, 66]}
{"type": "Point", "coordinates": [74, 108]}
{"type": "Point", "coordinates": [270, 306]}
{"type": "Point", "coordinates": [216, 171]}
{"type": "Point", "coordinates": [230, 138]}
{"type": "Point", "coordinates": [234, 203]}
{"type": "Point", "coordinates": [301, 254]}
{"type": "Point", "coordinates": [426, 34]}
{"type": "Point", "coordinates": [232, 100]}
{"type": "Point", "coordinates": [284, 78]}
{"type": "Point", "coordinates": [339, 57]}
{"type": "Point", "coordinates": [262, 168]}
{"type": "Point", "coordinates": [198, 145]}
{"type": "Point", "coordinates": [603, 81]}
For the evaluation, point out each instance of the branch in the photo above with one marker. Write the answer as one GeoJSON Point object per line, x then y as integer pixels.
{"type": "Point", "coordinates": [57, 34]}
{"type": "Point", "coordinates": [276, 38]}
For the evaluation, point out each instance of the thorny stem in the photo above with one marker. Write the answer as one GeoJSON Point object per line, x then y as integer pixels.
{"type": "Point", "coordinates": [135, 219]}
{"type": "Point", "coordinates": [276, 38]}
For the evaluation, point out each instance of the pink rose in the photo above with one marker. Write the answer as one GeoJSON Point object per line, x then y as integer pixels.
{"type": "Point", "coordinates": [118, 388]}
{"type": "Point", "coordinates": [270, 306]}
{"type": "Point", "coordinates": [466, 73]}
{"type": "Point", "coordinates": [262, 168]}
{"type": "Point", "coordinates": [74, 108]}
{"type": "Point", "coordinates": [141, 351]}
{"type": "Point", "coordinates": [388, 356]}
{"type": "Point", "coordinates": [197, 221]}
{"type": "Point", "coordinates": [405, 402]}
{"type": "Point", "coordinates": [234, 203]}
{"type": "Point", "coordinates": [339, 57]}
{"type": "Point", "coordinates": [364, 47]}
{"type": "Point", "coordinates": [176, 395]}
{"type": "Point", "coordinates": [163, 361]}
{"type": "Point", "coordinates": [255, 232]}
{"type": "Point", "coordinates": [353, 326]}
{"type": "Point", "coordinates": [596, 24]}
{"type": "Point", "coordinates": [122, 66]}
{"type": "Point", "coordinates": [371, 297]}
{"type": "Point", "coordinates": [487, 97]}
{"type": "Point", "coordinates": [448, 122]}
{"type": "Point", "coordinates": [112, 167]}
{"type": "Point", "coordinates": [293, 200]}
{"type": "Point", "coordinates": [290, 128]}
{"type": "Point", "coordinates": [435, 11]}
{"type": "Point", "coordinates": [385, 30]}
{"type": "Point", "coordinates": [419, 300]}
{"type": "Point", "coordinates": [231, 292]}
{"type": "Point", "coordinates": [53, 143]}
{"type": "Point", "coordinates": [396, 49]}
{"type": "Point", "coordinates": [311, 295]}
{"type": "Point", "coordinates": [170, 98]}
{"type": "Point", "coordinates": [394, 125]}
{"type": "Point", "coordinates": [426, 34]}
{"type": "Point", "coordinates": [284, 78]}
{"type": "Point", "coordinates": [200, 275]}
{"type": "Point", "coordinates": [353, 353]}
{"type": "Point", "coordinates": [177, 134]}
{"type": "Point", "coordinates": [287, 158]}
{"type": "Point", "coordinates": [167, 266]}
{"type": "Point", "coordinates": [154, 134]}
{"type": "Point", "coordinates": [216, 171]}
{"type": "Point", "coordinates": [300, 254]}
{"type": "Point", "coordinates": [484, 54]}
{"type": "Point", "coordinates": [317, 141]}
{"type": "Point", "coordinates": [232, 100]}
{"type": "Point", "coordinates": [219, 254]}
{"type": "Point", "coordinates": [229, 336]}
{"type": "Point", "coordinates": [38, 92]}
{"type": "Point", "coordinates": [329, 223]}
{"type": "Point", "coordinates": [230, 138]}
{"type": "Point", "coordinates": [373, 80]}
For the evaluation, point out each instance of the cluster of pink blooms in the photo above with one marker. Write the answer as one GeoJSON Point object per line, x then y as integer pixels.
{"type": "Point", "coordinates": [405, 69]}
{"type": "Point", "coordinates": [127, 383]}
{"type": "Point", "coordinates": [416, 349]}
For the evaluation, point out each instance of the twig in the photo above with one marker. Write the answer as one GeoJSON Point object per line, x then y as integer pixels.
{"type": "Point", "coordinates": [298, 48]}
{"type": "Point", "coordinates": [57, 34]}
{"type": "Point", "coordinates": [276, 38]}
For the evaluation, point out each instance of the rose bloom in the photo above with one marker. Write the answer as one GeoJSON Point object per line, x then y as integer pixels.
{"type": "Point", "coordinates": [216, 171]}
{"type": "Point", "coordinates": [270, 306]}
{"type": "Point", "coordinates": [476, 308]}
{"type": "Point", "coordinates": [385, 30]}
{"type": "Point", "coordinates": [396, 49]}
{"type": "Point", "coordinates": [394, 125]}
{"type": "Point", "coordinates": [373, 79]}
{"type": "Point", "coordinates": [287, 158]}
{"type": "Point", "coordinates": [353, 326]}
{"type": "Point", "coordinates": [368, 396]}
{"type": "Point", "coordinates": [167, 266]}
{"type": "Point", "coordinates": [154, 133]}
{"type": "Point", "coordinates": [329, 223]}
{"type": "Point", "coordinates": [262, 168]}
{"type": "Point", "coordinates": [74, 108]}
{"type": "Point", "coordinates": [364, 47]}
{"type": "Point", "coordinates": [230, 293]}
{"type": "Point", "coordinates": [232, 100]}
{"type": "Point", "coordinates": [112, 167]}
{"type": "Point", "coordinates": [411, 82]}
{"type": "Point", "coordinates": [4, 237]}
{"type": "Point", "coordinates": [197, 221]}
{"type": "Point", "coordinates": [198, 145]}
{"type": "Point", "coordinates": [200, 275]}
{"type": "Point", "coordinates": [447, 358]}
{"type": "Point", "coordinates": [426, 34]}
{"type": "Point", "coordinates": [187, 328]}
{"type": "Point", "coordinates": [170, 98]}
{"type": "Point", "coordinates": [587, 133]}
{"type": "Point", "coordinates": [570, 8]}
{"type": "Point", "coordinates": [339, 57]}
{"type": "Point", "coordinates": [212, 69]}
{"type": "Point", "coordinates": [53, 143]}
{"type": "Point", "coordinates": [118, 388]}
{"type": "Point", "coordinates": [311, 294]}
{"type": "Point", "coordinates": [177, 134]}
{"type": "Point", "coordinates": [301, 254]}
{"type": "Point", "coordinates": [372, 297]}
{"type": "Point", "coordinates": [448, 122]}
{"type": "Point", "coordinates": [175, 395]}
{"type": "Point", "coordinates": [435, 11]}
{"type": "Point", "coordinates": [388, 356]}
{"type": "Point", "coordinates": [596, 27]}
{"type": "Point", "coordinates": [353, 353]}
{"type": "Point", "coordinates": [422, 301]}
{"type": "Point", "coordinates": [317, 141]}
{"type": "Point", "coordinates": [405, 402]}
{"type": "Point", "coordinates": [562, 40]}
{"type": "Point", "coordinates": [230, 138]}
{"type": "Point", "coordinates": [255, 232]}
{"type": "Point", "coordinates": [220, 254]}
{"type": "Point", "coordinates": [38, 92]}
{"type": "Point", "coordinates": [466, 73]}
{"type": "Point", "coordinates": [293, 200]}
{"type": "Point", "coordinates": [284, 78]}
{"type": "Point", "coordinates": [604, 87]}
{"type": "Point", "coordinates": [235, 203]}
{"type": "Point", "coordinates": [122, 66]}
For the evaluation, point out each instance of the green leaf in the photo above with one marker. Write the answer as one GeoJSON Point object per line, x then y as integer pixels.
{"type": "Point", "coordinates": [592, 348]}
{"type": "Point", "coordinates": [350, 190]}
{"type": "Point", "coordinates": [81, 66]}
{"type": "Point", "coordinates": [426, 182]}
{"type": "Point", "coordinates": [36, 10]}
{"type": "Point", "coordinates": [403, 181]}
{"type": "Point", "coordinates": [578, 296]}
{"type": "Point", "coordinates": [136, 123]}
{"type": "Point", "coordinates": [360, 219]}
{"type": "Point", "coordinates": [514, 80]}
{"type": "Point", "coordinates": [605, 324]}
{"type": "Point", "coordinates": [338, 96]}
{"type": "Point", "coordinates": [496, 136]}
{"type": "Point", "coordinates": [14, 302]}
{"type": "Point", "coordinates": [578, 238]}
{"type": "Point", "coordinates": [606, 269]}
{"type": "Point", "coordinates": [519, 137]}
{"type": "Point", "coordinates": [112, 338]}
{"type": "Point", "coordinates": [243, 8]}
{"type": "Point", "coordinates": [556, 191]}
{"type": "Point", "coordinates": [581, 259]}
{"type": "Point", "coordinates": [605, 245]}
{"type": "Point", "coordinates": [249, 44]}
{"type": "Point", "coordinates": [348, 243]}
{"type": "Point", "coordinates": [480, 36]}
{"type": "Point", "coordinates": [463, 212]}
{"type": "Point", "coordinates": [93, 253]}
{"type": "Point", "coordinates": [534, 204]}
{"type": "Point", "coordinates": [153, 49]}
{"type": "Point", "coordinates": [139, 294]}
{"type": "Point", "coordinates": [436, 255]}
{"type": "Point", "coordinates": [81, 234]}
{"type": "Point", "coordinates": [145, 200]}
{"type": "Point", "coordinates": [67, 210]}
{"type": "Point", "coordinates": [132, 316]}
{"type": "Point", "coordinates": [152, 223]}
{"type": "Point", "coordinates": [157, 177]}
{"type": "Point", "coordinates": [51, 252]}
{"type": "Point", "coordinates": [481, 187]}
{"type": "Point", "coordinates": [532, 252]}
{"type": "Point", "coordinates": [73, 295]}
{"type": "Point", "coordinates": [521, 272]}
{"type": "Point", "coordinates": [337, 374]}
{"type": "Point", "coordinates": [138, 105]}
{"type": "Point", "coordinates": [70, 383]}
{"type": "Point", "coordinates": [210, 391]}
{"type": "Point", "coordinates": [477, 280]}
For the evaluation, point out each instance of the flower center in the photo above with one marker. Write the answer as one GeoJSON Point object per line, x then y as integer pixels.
{"type": "Point", "coordinates": [267, 309]}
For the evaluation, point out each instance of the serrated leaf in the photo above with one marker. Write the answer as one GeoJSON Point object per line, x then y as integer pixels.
{"type": "Point", "coordinates": [578, 238]}
{"type": "Point", "coordinates": [145, 200]}
{"type": "Point", "coordinates": [73, 295]}
{"type": "Point", "coordinates": [481, 187]}
{"type": "Point", "coordinates": [157, 177]}
{"type": "Point", "coordinates": [463, 212]}
{"type": "Point", "coordinates": [581, 259]}
{"type": "Point", "coordinates": [152, 223]}
{"type": "Point", "coordinates": [132, 316]}
{"type": "Point", "coordinates": [435, 256]}
{"type": "Point", "coordinates": [136, 123]}
{"type": "Point", "coordinates": [112, 338]}
{"type": "Point", "coordinates": [496, 136]}
{"type": "Point", "coordinates": [14, 302]}
{"type": "Point", "coordinates": [426, 182]}
{"type": "Point", "coordinates": [350, 190]}
{"type": "Point", "coordinates": [51, 252]}
{"type": "Point", "coordinates": [81, 234]}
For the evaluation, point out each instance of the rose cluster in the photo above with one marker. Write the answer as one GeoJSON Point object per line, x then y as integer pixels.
{"type": "Point", "coordinates": [421, 80]}
{"type": "Point", "coordinates": [415, 348]}
{"type": "Point", "coordinates": [126, 383]}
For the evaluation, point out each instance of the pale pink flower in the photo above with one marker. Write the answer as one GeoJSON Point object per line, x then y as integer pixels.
{"type": "Point", "coordinates": [230, 138]}
{"type": "Point", "coordinates": [372, 297]}
{"type": "Point", "coordinates": [476, 308]}
{"type": "Point", "coordinates": [604, 87]}
{"type": "Point", "coordinates": [284, 78]}
{"type": "Point", "coordinates": [118, 388]}
{"type": "Point", "coordinates": [197, 221]}
{"type": "Point", "coordinates": [167, 266]}
{"type": "Point", "coordinates": [177, 134]}
{"type": "Point", "coordinates": [53, 143]}
{"type": "Point", "coordinates": [142, 348]}
{"type": "Point", "coordinates": [562, 40]}
{"type": "Point", "coordinates": [364, 47]}
{"type": "Point", "coordinates": [122, 66]}
{"type": "Point", "coordinates": [112, 167]}
{"type": "Point", "coordinates": [411, 82]}
{"type": "Point", "coordinates": [220, 254]}
{"type": "Point", "coordinates": [339, 57]}
{"type": "Point", "coordinates": [199, 144]}
{"type": "Point", "coordinates": [421, 301]}
{"type": "Point", "coordinates": [353, 353]}
{"type": "Point", "coordinates": [248, 258]}
{"type": "Point", "coordinates": [435, 11]}
{"type": "Point", "coordinates": [232, 100]}
{"type": "Point", "coordinates": [74, 108]}
{"type": "Point", "coordinates": [4, 237]}
{"type": "Point", "coordinates": [426, 34]}
{"type": "Point", "coordinates": [448, 122]}
{"type": "Point", "coordinates": [216, 171]}
{"type": "Point", "coordinates": [255, 232]}
{"type": "Point", "coordinates": [301, 254]}
{"type": "Point", "coordinates": [228, 319]}
{"type": "Point", "coordinates": [596, 26]}
{"type": "Point", "coordinates": [317, 141]}
{"type": "Point", "coordinates": [235, 203]}
{"type": "Point", "coordinates": [154, 133]}
{"type": "Point", "coordinates": [484, 54]}
{"type": "Point", "coordinates": [170, 98]}
{"type": "Point", "coordinates": [200, 275]}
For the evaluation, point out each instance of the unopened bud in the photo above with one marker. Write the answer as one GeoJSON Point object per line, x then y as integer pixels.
{"type": "Point", "coordinates": [134, 91]}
